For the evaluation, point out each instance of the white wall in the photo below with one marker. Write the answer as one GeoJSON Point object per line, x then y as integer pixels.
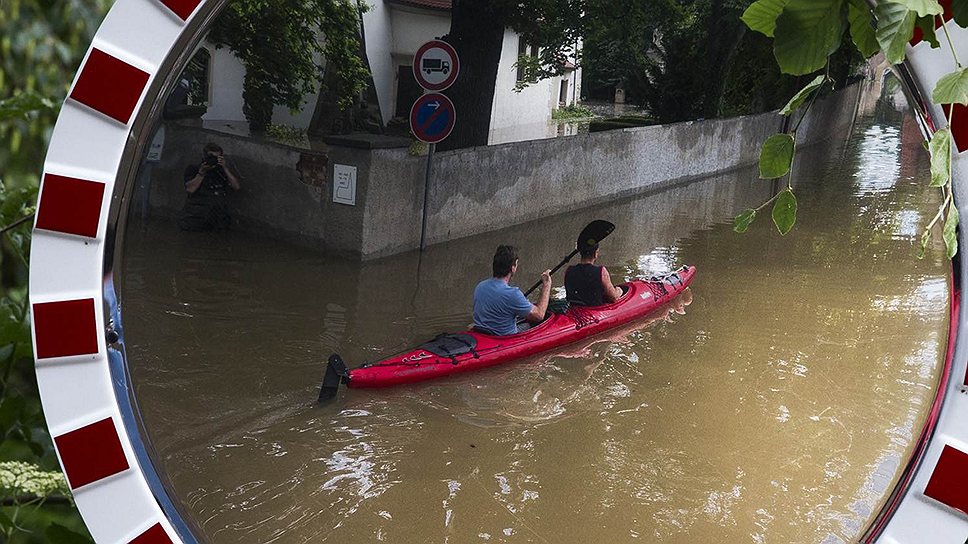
{"type": "Point", "coordinates": [225, 93]}
{"type": "Point", "coordinates": [378, 27]}
{"type": "Point", "coordinates": [393, 35]}
{"type": "Point", "coordinates": [413, 29]}
{"type": "Point", "coordinates": [521, 115]}
{"type": "Point", "coordinates": [225, 86]}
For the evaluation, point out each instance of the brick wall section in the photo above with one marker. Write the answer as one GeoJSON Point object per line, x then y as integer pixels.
{"type": "Point", "coordinates": [313, 169]}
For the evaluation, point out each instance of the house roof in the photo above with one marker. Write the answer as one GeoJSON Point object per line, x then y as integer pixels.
{"type": "Point", "coordinates": [437, 5]}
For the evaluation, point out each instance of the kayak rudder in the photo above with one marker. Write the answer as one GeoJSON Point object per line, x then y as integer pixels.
{"type": "Point", "coordinates": [336, 373]}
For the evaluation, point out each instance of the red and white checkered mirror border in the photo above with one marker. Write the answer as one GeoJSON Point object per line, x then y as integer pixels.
{"type": "Point", "coordinates": [66, 268]}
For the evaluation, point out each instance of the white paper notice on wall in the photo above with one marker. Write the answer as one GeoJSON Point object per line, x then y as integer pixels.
{"type": "Point", "coordinates": [344, 184]}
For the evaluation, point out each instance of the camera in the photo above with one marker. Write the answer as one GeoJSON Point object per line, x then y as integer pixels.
{"type": "Point", "coordinates": [211, 160]}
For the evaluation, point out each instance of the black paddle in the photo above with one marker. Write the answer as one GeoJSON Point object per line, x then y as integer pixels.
{"type": "Point", "coordinates": [593, 233]}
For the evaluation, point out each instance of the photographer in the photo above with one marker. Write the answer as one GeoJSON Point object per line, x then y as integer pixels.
{"type": "Point", "coordinates": [207, 185]}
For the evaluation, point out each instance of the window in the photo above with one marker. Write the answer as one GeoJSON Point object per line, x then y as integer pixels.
{"type": "Point", "coordinates": [190, 96]}
{"type": "Point", "coordinates": [523, 57]}
{"type": "Point", "coordinates": [197, 74]}
{"type": "Point", "coordinates": [192, 87]}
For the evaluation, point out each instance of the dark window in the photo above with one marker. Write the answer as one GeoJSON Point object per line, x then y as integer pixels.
{"type": "Point", "coordinates": [197, 74]}
{"type": "Point", "coordinates": [523, 52]}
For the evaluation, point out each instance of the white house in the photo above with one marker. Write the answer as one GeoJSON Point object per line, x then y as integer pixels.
{"type": "Point", "coordinates": [394, 31]}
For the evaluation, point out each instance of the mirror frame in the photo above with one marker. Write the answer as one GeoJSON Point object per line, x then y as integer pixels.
{"type": "Point", "coordinates": [82, 371]}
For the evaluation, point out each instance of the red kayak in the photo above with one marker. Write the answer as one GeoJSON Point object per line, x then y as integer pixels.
{"type": "Point", "coordinates": [451, 353]}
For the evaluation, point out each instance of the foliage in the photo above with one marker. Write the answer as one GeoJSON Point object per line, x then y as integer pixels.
{"type": "Point", "coordinates": [776, 156]}
{"type": "Point", "coordinates": [24, 479]}
{"type": "Point", "coordinates": [808, 36]}
{"type": "Point", "coordinates": [624, 121]}
{"type": "Point", "coordinates": [688, 59]}
{"type": "Point", "coordinates": [554, 26]}
{"type": "Point", "coordinates": [804, 93]}
{"type": "Point", "coordinates": [572, 111]}
{"type": "Point", "coordinates": [287, 135]}
{"type": "Point", "coordinates": [308, 37]}
{"type": "Point", "coordinates": [41, 45]}
{"type": "Point", "coordinates": [785, 211]}
{"type": "Point", "coordinates": [20, 106]}
{"type": "Point", "coordinates": [620, 44]}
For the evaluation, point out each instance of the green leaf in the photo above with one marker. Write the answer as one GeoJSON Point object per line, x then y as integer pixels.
{"type": "Point", "coordinates": [742, 221]}
{"type": "Point", "coordinates": [807, 32]}
{"type": "Point", "coordinates": [895, 25]}
{"type": "Point", "coordinates": [761, 15]}
{"type": "Point", "coordinates": [862, 28]}
{"type": "Point", "coordinates": [20, 105]}
{"type": "Point", "coordinates": [776, 156]}
{"type": "Point", "coordinates": [10, 410]}
{"type": "Point", "coordinates": [62, 535]}
{"type": "Point", "coordinates": [785, 212]}
{"type": "Point", "coordinates": [950, 231]}
{"type": "Point", "coordinates": [801, 96]}
{"type": "Point", "coordinates": [952, 88]}
{"type": "Point", "coordinates": [940, 149]}
{"type": "Point", "coordinates": [925, 239]}
{"type": "Point", "coordinates": [924, 8]}
{"type": "Point", "coordinates": [926, 25]}
{"type": "Point", "coordinates": [5, 522]}
{"type": "Point", "coordinates": [959, 9]}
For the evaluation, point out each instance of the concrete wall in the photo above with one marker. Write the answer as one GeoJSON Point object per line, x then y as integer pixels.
{"type": "Point", "coordinates": [287, 193]}
{"type": "Point", "coordinates": [481, 189]}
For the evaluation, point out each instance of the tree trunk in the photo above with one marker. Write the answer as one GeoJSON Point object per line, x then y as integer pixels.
{"type": "Point", "coordinates": [477, 33]}
{"type": "Point", "coordinates": [257, 102]}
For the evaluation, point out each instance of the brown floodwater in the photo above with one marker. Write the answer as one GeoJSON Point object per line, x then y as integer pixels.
{"type": "Point", "coordinates": [777, 407]}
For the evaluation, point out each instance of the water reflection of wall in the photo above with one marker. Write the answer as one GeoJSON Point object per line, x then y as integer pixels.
{"type": "Point", "coordinates": [287, 192]}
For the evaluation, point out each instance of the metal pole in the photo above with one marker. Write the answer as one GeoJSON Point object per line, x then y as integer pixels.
{"type": "Point", "coordinates": [423, 222]}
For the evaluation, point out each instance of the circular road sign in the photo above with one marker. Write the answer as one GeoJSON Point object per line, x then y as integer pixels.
{"type": "Point", "coordinates": [435, 65]}
{"type": "Point", "coordinates": [432, 118]}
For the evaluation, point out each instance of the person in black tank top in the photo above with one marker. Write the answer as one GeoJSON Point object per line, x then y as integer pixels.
{"type": "Point", "coordinates": [588, 284]}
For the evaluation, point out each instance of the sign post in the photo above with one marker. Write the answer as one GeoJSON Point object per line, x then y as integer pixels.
{"type": "Point", "coordinates": [432, 117]}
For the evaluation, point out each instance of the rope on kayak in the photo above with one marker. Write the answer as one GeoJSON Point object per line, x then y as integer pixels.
{"type": "Point", "coordinates": [658, 288]}
{"type": "Point", "coordinates": [582, 317]}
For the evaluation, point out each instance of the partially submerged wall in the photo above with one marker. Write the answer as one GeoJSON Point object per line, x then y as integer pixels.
{"type": "Point", "coordinates": [288, 193]}
{"type": "Point", "coordinates": [486, 188]}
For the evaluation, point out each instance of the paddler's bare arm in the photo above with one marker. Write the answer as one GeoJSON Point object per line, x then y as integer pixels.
{"type": "Point", "coordinates": [609, 291]}
{"type": "Point", "coordinates": [538, 310]}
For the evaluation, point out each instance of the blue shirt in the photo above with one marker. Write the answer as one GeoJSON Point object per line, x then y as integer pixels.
{"type": "Point", "coordinates": [497, 306]}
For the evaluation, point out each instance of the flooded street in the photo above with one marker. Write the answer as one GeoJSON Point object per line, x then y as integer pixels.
{"type": "Point", "coordinates": [777, 407]}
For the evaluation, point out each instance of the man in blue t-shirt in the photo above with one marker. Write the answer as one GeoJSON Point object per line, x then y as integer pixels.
{"type": "Point", "coordinates": [498, 306]}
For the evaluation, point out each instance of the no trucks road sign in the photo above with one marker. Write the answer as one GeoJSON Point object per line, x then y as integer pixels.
{"type": "Point", "coordinates": [435, 65]}
{"type": "Point", "coordinates": [432, 118]}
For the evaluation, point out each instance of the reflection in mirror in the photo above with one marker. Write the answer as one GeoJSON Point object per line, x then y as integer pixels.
{"type": "Point", "coordinates": [276, 216]}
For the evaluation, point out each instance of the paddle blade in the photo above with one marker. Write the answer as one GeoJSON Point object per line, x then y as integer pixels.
{"type": "Point", "coordinates": [594, 233]}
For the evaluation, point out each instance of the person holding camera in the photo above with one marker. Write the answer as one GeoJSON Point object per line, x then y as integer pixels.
{"type": "Point", "coordinates": [207, 185]}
